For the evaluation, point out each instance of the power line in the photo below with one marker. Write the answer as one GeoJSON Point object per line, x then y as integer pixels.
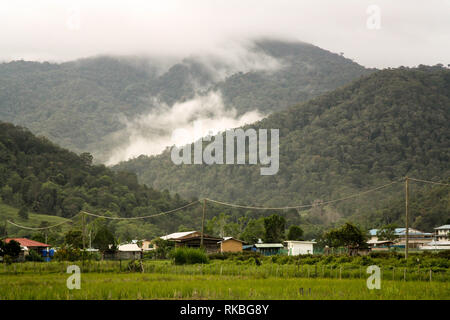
{"type": "Point", "coordinates": [231, 205]}
{"type": "Point", "coordinates": [431, 182]}
{"type": "Point", "coordinates": [41, 228]}
{"type": "Point", "coordinates": [306, 205]}
{"type": "Point", "coordinates": [142, 217]}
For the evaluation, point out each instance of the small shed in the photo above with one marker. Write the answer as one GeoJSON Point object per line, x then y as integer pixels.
{"type": "Point", "coordinates": [129, 251]}
{"type": "Point", "coordinates": [296, 248]}
{"type": "Point", "coordinates": [230, 244]}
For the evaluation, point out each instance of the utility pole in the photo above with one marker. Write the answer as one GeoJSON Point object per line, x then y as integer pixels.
{"type": "Point", "coordinates": [83, 222]}
{"type": "Point", "coordinates": [406, 211]}
{"type": "Point", "coordinates": [203, 222]}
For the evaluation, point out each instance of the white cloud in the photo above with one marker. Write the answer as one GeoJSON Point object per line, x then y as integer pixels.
{"type": "Point", "coordinates": [412, 31]}
{"type": "Point", "coordinates": [150, 134]}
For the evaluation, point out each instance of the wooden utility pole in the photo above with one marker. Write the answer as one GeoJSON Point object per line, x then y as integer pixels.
{"type": "Point", "coordinates": [203, 222]}
{"type": "Point", "coordinates": [407, 219]}
{"type": "Point", "coordinates": [83, 222]}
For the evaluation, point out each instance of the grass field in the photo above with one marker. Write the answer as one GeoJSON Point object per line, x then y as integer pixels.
{"type": "Point", "coordinates": [34, 220]}
{"type": "Point", "coordinates": [103, 280]}
{"type": "Point", "coordinates": [176, 286]}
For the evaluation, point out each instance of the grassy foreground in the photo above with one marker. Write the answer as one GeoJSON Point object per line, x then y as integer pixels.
{"type": "Point", "coordinates": [181, 286]}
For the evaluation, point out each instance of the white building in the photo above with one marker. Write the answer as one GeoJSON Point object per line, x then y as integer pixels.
{"type": "Point", "coordinates": [442, 233]}
{"type": "Point", "coordinates": [436, 245]}
{"type": "Point", "coordinates": [296, 248]}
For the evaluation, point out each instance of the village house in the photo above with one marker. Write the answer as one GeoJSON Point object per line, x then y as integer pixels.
{"type": "Point", "coordinates": [192, 239]}
{"type": "Point", "coordinates": [416, 238]}
{"type": "Point", "coordinates": [230, 244]}
{"type": "Point", "coordinates": [26, 245]}
{"type": "Point", "coordinates": [129, 251]}
{"type": "Point", "coordinates": [442, 233]}
{"type": "Point", "coordinates": [296, 248]}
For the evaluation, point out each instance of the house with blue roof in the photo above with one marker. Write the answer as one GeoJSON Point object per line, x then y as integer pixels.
{"type": "Point", "coordinates": [416, 239]}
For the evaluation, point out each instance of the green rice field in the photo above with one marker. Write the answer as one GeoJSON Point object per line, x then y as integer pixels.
{"type": "Point", "coordinates": [161, 280]}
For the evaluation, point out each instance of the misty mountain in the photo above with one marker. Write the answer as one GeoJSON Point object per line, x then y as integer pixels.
{"type": "Point", "coordinates": [389, 124]}
{"type": "Point", "coordinates": [87, 105]}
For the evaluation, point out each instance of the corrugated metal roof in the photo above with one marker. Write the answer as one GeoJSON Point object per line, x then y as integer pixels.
{"type": "Point", "coordinates": [24, 242]}
{"type": "Point", "coordinates": [229, 238]}
{"type": "Point", "coordinates": [269, 245]}
{"type": "Point", "coordinates": [130, 247]}
{"type": "Point", "coordinates": [402, 231]}
{"type": "Point", "coordinates": [177, 235]}
{"type": "Point", "coordinates": [444, 227]}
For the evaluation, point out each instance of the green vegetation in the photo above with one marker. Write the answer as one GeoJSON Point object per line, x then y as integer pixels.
{"type": "Point", "coordinates": [10, 250]}
{"type": "Point", "coordinates": [385, 126]}
{"type": "Point", "coordinates": [222, 280]}
{"type": "Point", "coordinates": [158, 286]}
{"type": "Point", "coordinates": [8, 212]}
{"type": "Point", "coordinates": [54, 184]}
{"type": "Point", "coordinates": [347, 235]}
{"type": "Point", "coordinates": [188, 256]}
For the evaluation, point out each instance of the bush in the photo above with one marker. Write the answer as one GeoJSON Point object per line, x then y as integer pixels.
{"type": "Point", "coordinates": [189, 256]}
{"type": "Point", "coordinates": [238, 256]}
{"type": "Point", "coordinates": [68, 254]}
{"type": "Point", "coordinates": [34, 256]}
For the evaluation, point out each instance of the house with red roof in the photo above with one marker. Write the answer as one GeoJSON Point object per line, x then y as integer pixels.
{"type": "Point", "coordinates": [27, 245]}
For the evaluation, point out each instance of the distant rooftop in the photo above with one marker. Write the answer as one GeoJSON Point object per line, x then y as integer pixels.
{"type": "Point", "coordinates": [269, 245]}
{"type": "Point", "coordinates": [444, 227]}
{"type": "Point", "coordinates": [24, 242]}
{"type": "Point", "coordinates": [177, 235]}
{"type": "Point", "coordinates": [402, 232]}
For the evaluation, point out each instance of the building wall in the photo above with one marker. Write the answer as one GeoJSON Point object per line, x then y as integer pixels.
{"type": "Point", "coordinates": [295, 249]}
{"type": "Point", "coordinates": [146, 244]}
{"type": "Point", "coordinates": [231, 246]}
{"type": "Point", "coordinates": [442, 234]}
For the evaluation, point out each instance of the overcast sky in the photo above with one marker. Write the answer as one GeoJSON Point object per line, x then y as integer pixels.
{"type": "Point", "coordinates": [408, 33]}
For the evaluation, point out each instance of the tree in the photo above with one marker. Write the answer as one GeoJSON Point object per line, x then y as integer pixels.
{"type": "Point", "coordinates": [104, 240]}
{"type": "Point", "coordinates": [295, 233]}
{"type": "Point", "coordinates": [23, 213]}
{"type": "Point", "coordinates": [253, 231]}
{"type": "Point", "coordinates": [74, 238]}
{"type": "Point", "coordinates": [217, 224]}
{"type": "Point", "coordinates": [3, 230]}
{"type": "Point", "coordinates": [11, 249]}
{"type": "Point", "coordinates": [274, 228]}
{"type": "Point", "coordinates": [163, 247]}
{"type": "Point", "coordinates": [387, 233]}
{"type": "Point", "coordinates": [347, 235]}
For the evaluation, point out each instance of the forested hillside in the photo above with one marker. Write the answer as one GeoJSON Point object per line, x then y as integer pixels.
{"type": "Point", "coordinates": [82, 105]}
{"type": "Point", "coordinates": [39, 177]}
{"type": "Point", "coordinates": [382, 127]}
